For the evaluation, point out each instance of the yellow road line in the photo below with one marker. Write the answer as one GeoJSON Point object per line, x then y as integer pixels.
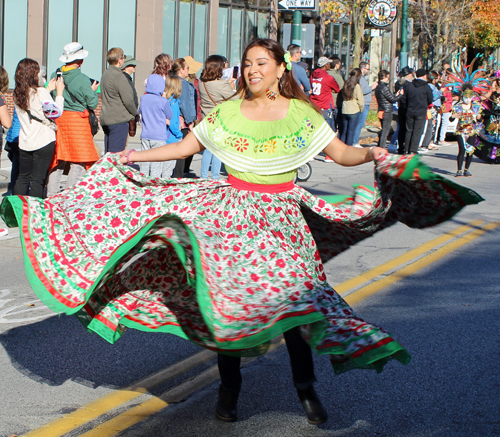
{"type": "Point", "coordinates": [106, 403]}
{"type": "Point", "coordinates": [96, 408]}
{"type": "Point", "coordinates": [374, 287]}
{"type": "Point", "coordinates": [403, 259]}
{"type": "Point", "coordinates": [154, 405]}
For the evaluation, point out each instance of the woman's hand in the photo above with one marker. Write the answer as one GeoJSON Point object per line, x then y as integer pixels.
{"type": "Point", "coordinates": [95, 85]}
{"type": "Point", "coordinates": [60, 86]}
{"type": "Point", "coordinates": [52, 85]}
{"type": "Point", "coordinates": [123, 156]}
{"type": "Point", "coordinates": [377, 152]}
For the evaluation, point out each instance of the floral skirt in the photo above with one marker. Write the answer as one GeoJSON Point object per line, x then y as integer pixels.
{"type": "Point", "coordinates": [229, 269]}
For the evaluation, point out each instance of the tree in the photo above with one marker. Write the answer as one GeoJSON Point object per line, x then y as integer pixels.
{"type": "Point", "coordinates": [485, 32]}
{"type": "Point", "coordinates": [441, 26]}
{"type": "Point", "coordinates": [334, 9]}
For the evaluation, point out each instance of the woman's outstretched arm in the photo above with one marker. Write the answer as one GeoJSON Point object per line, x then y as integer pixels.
{"type": "Point", "coordinates": [349, 156]}
{"type": "Point", "coordinates": [181, 150]}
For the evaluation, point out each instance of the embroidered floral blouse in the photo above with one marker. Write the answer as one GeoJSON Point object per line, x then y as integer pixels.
{"type": "Point", "coordinates": [264, 152]}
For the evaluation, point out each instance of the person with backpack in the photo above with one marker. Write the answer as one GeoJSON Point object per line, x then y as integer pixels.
{"type": "Point", "coordinates": [74, 141]}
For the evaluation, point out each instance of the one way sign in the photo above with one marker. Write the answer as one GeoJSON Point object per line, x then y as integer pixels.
{"type": "Point", "coordinates": [297, 5]}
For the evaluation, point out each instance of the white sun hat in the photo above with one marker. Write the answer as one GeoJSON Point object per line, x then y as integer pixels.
{"type": "Point", "coordinates": [72, 52]}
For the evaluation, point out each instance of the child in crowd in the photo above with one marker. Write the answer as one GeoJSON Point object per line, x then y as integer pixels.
{"type": "Point", "coordinates": [155, 111]}
{"type": "Point", "coordinates": [173, 89]}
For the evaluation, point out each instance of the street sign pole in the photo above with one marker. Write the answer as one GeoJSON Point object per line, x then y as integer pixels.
{"type": "Point", "coordinates": [297, 28]}
{"type": "Point", "coordinates": [404, 36]}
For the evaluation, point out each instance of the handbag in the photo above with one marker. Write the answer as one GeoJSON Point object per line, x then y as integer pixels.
{"type": "Point", "coordinates": [94, 122]}
{"type": "Point", "coordinates": [132, 126]}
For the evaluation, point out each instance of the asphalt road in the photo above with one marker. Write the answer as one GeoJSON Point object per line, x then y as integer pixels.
{"type": "Point", "coordinates": [446, 313]}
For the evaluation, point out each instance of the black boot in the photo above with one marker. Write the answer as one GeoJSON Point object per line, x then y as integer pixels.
{"type": "Point", "coordinates": [315, 412]}
{"type": "Point", "coordinates": [226, 405]}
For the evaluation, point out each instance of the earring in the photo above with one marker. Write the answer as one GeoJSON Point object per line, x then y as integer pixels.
{"type": "Point", "coordinates": [271, 95]}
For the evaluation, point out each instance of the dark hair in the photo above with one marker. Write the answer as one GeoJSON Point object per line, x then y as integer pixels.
{"type": "Point", "coordinates": [363, 65]}
{"type": "Point", "coordinates": [289, 86]}
{"type": "Point", "coordinates": [431, 75]}
{"type": "Point", "coordinates": [214, 65]}
{"type": "Point", "coordinates": [177, 65]}
{"type": "Point", "coordinates": [4, 80]}
{"type": "Point", "coordinates": [382, 74]}
{"type": "Point", "coordinates": [350, 84]}
{"type": "Point", "coordinates": [26, 78]}
{"type": "Point", "coordinates": [466, 87]}
{"type": "Point", "coordinates": [293, 48]}
{"type": "Point", "coordinates": [335, 62]}
{"type": "Point", "coordinates": [162, 64]}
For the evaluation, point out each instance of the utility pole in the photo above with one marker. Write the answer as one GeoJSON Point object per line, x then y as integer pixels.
{"type": "Point", "coordinates": [297, 28]}
{"type": "Point", "coordinates": [404, 36]}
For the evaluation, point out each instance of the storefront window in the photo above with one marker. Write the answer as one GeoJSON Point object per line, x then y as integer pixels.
{"type": "Point", "coordinates": [222, 38]}
{"type": "Point", "coordinates": [336, 40]}
{"type": "Point", "coordinates": [90, 35]}
{"type": "Point", "coordinates": [14, 38]}
{"type": "Point", "coordinates": [121, 25]}
{"type": "Point", "coordinates": [168, 40]}
{"type": "Point", "coordinates": [262, 25]}
{"type": "Point", "coordinates": [200, 28]}
{"type": "Point", "coordinates": [236, 36]}
{"type": "Point", "coordinates": [345, 43]}
{"type": "Point", "coordinates": [59, 31]}
{"type": "Point", "coordinates": [250, 25]}
{"type": "Point", "coordinates": [185, 18]}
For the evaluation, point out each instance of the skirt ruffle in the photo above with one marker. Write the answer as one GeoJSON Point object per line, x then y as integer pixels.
{"type": "Point", "coordinates": [227, 269]}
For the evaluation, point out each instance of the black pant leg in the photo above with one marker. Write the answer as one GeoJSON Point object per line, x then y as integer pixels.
{"type": "Point", "coordinates": [386, 127]}
{"type": "Point", "coordinates": [418, 131]}
{"type": "Point", "coordinates": [461, 152]}
{"type": "Point", "coordinates": [301, 359]}
{"type": "Point", "coordinates": [230, 373]}
{"type": "Point", "coordinates": [402, 131]}
{"type": "Point", "coordinates": [410, 122]}
{"type": "Point", "coordinates": [25, 167]}
{"type": "Point", "coordinates": [41, 162]}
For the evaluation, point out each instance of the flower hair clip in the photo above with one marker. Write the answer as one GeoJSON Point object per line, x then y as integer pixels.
{"type": "Point", "coordinates": [288, 61]}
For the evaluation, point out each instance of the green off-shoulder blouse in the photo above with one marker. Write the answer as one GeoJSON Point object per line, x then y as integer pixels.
{"type": "Point", "coordinates": [264, 152]}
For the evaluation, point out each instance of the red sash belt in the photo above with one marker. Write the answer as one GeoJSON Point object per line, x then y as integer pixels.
{"type": "Point", "coordinates": [260, 188]}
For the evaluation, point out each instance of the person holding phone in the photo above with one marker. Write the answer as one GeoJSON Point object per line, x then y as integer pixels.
{"type": "Point", "coordinates": [37, 135]}
{"type": "Point", "coordinates": [213, 91]}
{"type": "Point", "coordinates": [74, 142]}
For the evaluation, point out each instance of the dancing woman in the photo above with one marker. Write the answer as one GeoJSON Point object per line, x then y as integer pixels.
{"type": "Point", "coordinates": [230, 265]}
{"type": "Point", "coordinates": [468, 113]}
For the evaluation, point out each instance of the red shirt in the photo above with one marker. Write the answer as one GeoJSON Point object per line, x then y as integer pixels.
{"type": "Point", "coordinates": [322, 85]}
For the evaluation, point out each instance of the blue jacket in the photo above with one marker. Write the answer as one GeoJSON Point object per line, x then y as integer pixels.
{"type": "Point", "coordinates": [186, 101]}
{"type": "Point", "coordinates": [175, 134]}
{"type": "Point", "coordinates": [154, 110]}
{"type": "Point", "coordinates": [300, 76]}
{"type": "Point", "coordinates": [436, 94]}
{"type": "Point", "coordinates": [13, 133]}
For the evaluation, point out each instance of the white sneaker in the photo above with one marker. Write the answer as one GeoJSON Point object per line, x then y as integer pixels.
{"type": "Point", "coordinates": [358, 146]}
{"type": "Point", "coordinates": [4, 232]}
{"type": "Point", "coordinates": [422, 150]}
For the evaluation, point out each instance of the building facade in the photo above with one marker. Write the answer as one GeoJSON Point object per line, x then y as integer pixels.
{"type": "Point", "coordinates": [39, 29]}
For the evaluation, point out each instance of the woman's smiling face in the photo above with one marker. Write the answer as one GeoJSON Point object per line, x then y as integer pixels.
{"type": "Point", "coordinates": [261, 71]}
